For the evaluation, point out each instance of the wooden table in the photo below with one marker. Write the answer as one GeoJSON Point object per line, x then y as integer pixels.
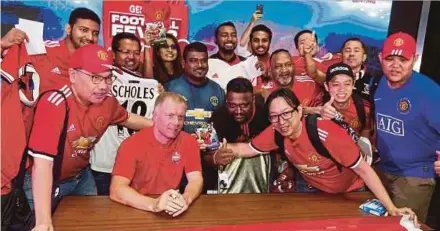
{"type": "Point", "coordinates": [100, 213]}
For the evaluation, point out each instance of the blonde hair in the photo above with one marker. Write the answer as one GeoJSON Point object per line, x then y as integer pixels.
{"type": "Point", "coordinates": [169, 95]}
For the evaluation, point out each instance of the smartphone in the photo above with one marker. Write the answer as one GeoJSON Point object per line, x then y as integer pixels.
{"type": "Point", "coordinates": [260, 8]}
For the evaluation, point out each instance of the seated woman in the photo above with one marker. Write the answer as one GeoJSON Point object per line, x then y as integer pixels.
{"type": "Point", "coordinates": [164, 63]}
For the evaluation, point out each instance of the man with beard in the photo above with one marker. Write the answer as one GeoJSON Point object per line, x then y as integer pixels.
{"type": "Point", "coordinates": [82, 29]}
{"type": "Point", "coordinates": [226, 40]}
{"type": "Point", "coordinates": [135, 93]}
{"type": "Point", "coordinates": [203, 95]}
{"type": "Point", "coordinates": [239, 120]}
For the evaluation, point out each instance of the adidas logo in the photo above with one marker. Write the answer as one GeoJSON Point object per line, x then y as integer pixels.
{"type": "Point", "coordinates": [71, 128]}
{"type": "Point", "coordinates": [56, 70]}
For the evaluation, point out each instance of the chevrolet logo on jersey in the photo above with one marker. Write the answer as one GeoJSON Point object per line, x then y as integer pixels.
{"type": "Point", "coordinates": [198, 113]}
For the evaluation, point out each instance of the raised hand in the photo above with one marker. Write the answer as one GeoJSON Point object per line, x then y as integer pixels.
{"type": "Point", "coordinates": [327, 111]}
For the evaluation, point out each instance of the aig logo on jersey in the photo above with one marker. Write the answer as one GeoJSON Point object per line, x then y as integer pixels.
{"type": "Point", "coordinates": [404, 106]}
{"type": "Point", "coordinates": [390, 125]}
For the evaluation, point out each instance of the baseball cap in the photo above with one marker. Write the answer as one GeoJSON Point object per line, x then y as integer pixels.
{"type": "Point", "coordinates": [338, 68]}
{"type": "Point", "coordinates": [93, 59]}
{"type": "Point", "coordinates": [400, 44]}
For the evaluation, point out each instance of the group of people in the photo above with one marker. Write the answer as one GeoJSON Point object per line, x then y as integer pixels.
{"type": "Point", "coordinates": [125, 123]}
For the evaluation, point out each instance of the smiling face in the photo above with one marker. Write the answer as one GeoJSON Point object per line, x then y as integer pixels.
{"type": "Point", "coordinates": [168, 118]}
{"type": "Point", "coordinates": [128, 54]}
{"type": "Point", "coordinates": [240, 105]}
{"type": "Point", "coordinates": [83, 32]}
{"type": "Point", "coordinates": [196, 65]}
{"type": "Point", "coordinates": [260, 43]}
{"type": "Point", "coordinates": [288, 119]}
{"type": "Point", "coordinates": [340, 87]}
{"type": "Point", "coordinates": [282, 69]}
{"type": "Point", "coordinates": [168, 52]}
{"type": "Point", "coordinates": [226, 39]}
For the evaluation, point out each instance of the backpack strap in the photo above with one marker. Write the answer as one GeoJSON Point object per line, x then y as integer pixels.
{"type": "Point", "coordinates": [279, 141]}
{"type": "Point", "coordinates": [312, 132]}
{"type": "Point", "coordinates": [360, 110]}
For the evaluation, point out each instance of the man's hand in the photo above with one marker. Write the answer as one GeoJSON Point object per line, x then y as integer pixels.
{"type": "Point", "coordinates": [405, 211]}
{"type": "Point", "coordinates": [43, 227]}
{"type": "Point", "coordinates": [14, 36]}
{"type": "Point", "coordinates": [327, 111]}
{"type": "Point", "coordinates": [148, 37]}
{"type": "Point", "coordinates": [256, 15]}
{"type": "Point", "coordinates": [437, 163]}
{"type": "Point", "coordinates": [262, 67]}
{"type": "Point", "coordinates": [172, 202]}
{"type": "Point", "coordinates": [309, 46]}
{"type": "Point", "coordinates": [223, 155]}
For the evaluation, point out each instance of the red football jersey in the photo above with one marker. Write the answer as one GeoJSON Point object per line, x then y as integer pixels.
{"type": "Point", "coordinates": [321, 63]}
{"type": "Point", "coordinates": [86, 125]}
{"type": "Point", "coordinates": [153, 167]}
{"type": "Point", "coordinates": [317, 170]}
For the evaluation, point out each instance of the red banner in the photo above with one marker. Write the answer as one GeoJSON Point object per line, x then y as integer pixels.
{"type": "Point", "coordinates": [132, 16]}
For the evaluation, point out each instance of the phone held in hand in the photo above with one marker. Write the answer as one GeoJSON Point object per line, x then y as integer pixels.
{"type": "Point", "coordinates": [157, 30]}
{"type": "Point", "coordinates": [260, 8]}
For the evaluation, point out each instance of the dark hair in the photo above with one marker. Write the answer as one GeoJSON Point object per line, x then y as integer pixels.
{"type": "Point", "coordinates": [124, 35]}
{"type": "Point", "coordinates": [364, 47]}
{"type": "Point", "coordinates": [159, 71]}
{"type": "Point", "coordinates": [261, 27]}
{"type": "Point", "coordinates": [228, 23]}
{"type": "Point", "coordinates": [83, 13]}
{"type": "Point", "coordinates": [284, 93]}
{"type": "Point", "coordinates": [278, 51]}
{"type": "Point", "coordinates": [195, 46]}
{"type": "Point", "coordinates": [301, 33]}
{"type": "Point", "coordinates": [239, 85]}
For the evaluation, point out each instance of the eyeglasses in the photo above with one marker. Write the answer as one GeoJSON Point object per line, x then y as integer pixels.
{"type": "Point", "coordinates": [126, 52]}
{"type": "Point", "coordinates": [234, 106]}
{"type": "Point", "coordinates": [97, 79]}
{"type": "Point", "coordinates": [285, 115]}
{"type": "Point", "coordinates": [166, 46]}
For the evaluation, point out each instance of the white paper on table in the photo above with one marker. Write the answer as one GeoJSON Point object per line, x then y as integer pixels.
{"type": "Point", "coordinates": [34, 31]}
{"type": "Point", "coordinates": [408, 224]}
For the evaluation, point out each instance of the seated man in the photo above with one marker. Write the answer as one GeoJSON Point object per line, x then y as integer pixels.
{"type": "Point", "coordinates": [153, 160]}
{"type": "Point", "coordinates": [242, 118]}
{"type": "Point", "coordinates": [343, 170]}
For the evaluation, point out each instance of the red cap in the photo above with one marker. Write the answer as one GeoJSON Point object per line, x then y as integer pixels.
{"type": "Point", "coordinates": [400, 44]}
{"type": "Point", "coordinates": [92, 58]}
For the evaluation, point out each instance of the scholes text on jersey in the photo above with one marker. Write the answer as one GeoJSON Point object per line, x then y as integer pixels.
{"type": "Point", "coordinates": [137, 92]}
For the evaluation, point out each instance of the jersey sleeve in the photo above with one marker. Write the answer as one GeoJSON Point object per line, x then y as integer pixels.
{"type": "Point", "coordinates": [125, 164]}
{"type": "Point", "coordinates": [119, 114]}
{"type": "Point", "coordinates": [265, 141]}
{"type": "Point", "coordinates": [432, 110]}
{"type": "Point", "coordinates": [192, 154]}
{"type": "Point", "coordinates": [13, 60]}
{"type": "Point", "coordinates": [47, 126]}
{"type": "Point", "coordinates": [339, 144]}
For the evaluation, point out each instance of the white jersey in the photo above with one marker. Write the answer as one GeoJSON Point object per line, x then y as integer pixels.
{"type": "Point", "coordinates": [135, 94]}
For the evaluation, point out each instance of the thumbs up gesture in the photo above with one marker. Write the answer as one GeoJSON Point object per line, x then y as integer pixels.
{"type": "Point", "coordinates": [327, 111]}
{"type": "Point", "coordinates": [437, 163]}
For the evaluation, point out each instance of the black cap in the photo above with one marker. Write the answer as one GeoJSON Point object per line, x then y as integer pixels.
{"type": "Point", "coordinates": [338, 68]}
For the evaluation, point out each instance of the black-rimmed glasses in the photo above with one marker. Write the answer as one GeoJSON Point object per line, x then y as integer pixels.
{"type": "Point", "coordinates": [126, 52]}
{"type": "Point", "coordinates": [97, 79]}
{"type": "Point", "coordinates": [287, 115]}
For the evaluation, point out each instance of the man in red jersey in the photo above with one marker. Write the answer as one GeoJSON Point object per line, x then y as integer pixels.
{"type": "Point", "coordinates": [153, 160]}
{"type": "Point", "coordinates": [91, 110]}
{"type": "Point", "coordinates": [285, 114]}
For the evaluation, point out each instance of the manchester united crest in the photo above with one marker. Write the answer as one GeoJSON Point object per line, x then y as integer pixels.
{"type": "Point", "coordinates": [354, 123]}
{"type": "Point", "coordinates": [404, 106]}
{"type": "Point", "coordinates": [213, 100]}
{"type": "Point", "coordinates": [100, 122]}
{"type": "Point", "coordinates": [102, 55]}
{"type": "Point", "coordinates": [398, 42]}
{"type": "Point", "coordinates": [314, 157]}
{"type": "Point", "coordinates": [175, 157]}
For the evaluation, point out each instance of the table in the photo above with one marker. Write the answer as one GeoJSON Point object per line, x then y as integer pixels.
{"type": "Point", "coordinates": [100, 213]}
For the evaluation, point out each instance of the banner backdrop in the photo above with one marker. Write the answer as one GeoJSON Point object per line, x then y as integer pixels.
{"type": "Point", "coordinates": [333, 21]}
